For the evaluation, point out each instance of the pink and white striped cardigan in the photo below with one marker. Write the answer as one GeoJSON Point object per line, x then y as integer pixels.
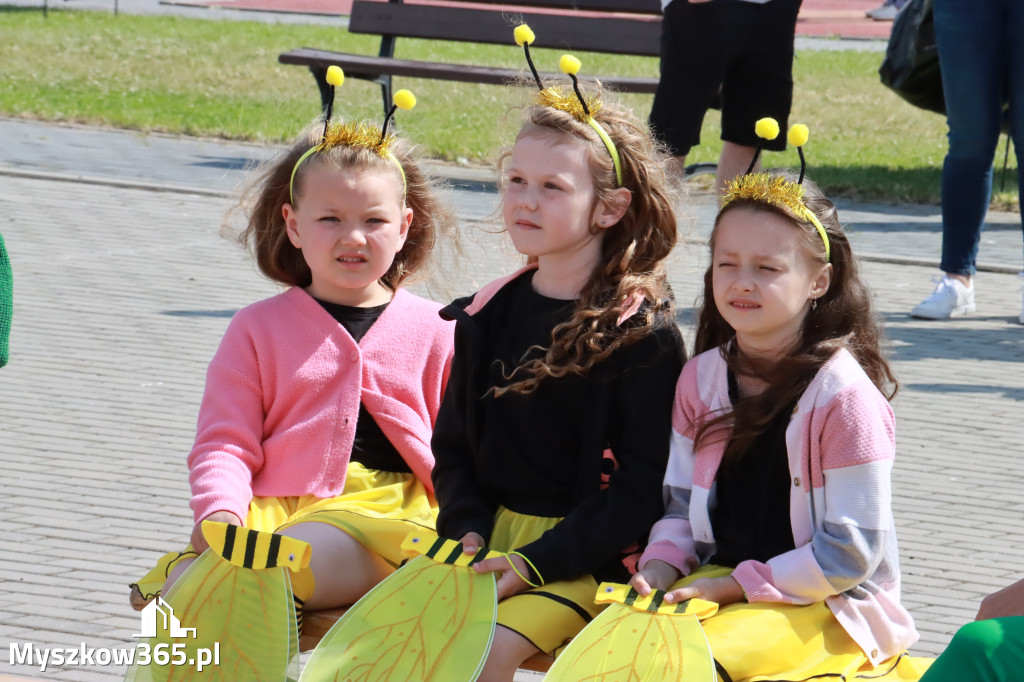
{"type": "Point", "coordinates": [840, 443]}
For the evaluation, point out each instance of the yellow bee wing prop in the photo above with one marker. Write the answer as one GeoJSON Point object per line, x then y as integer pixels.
{"type": "Point", "coordinates": [257, 550]}
{"type": "Point", "coordinates": [639, 639]}
{"type": "Point", "coordinates": [431, 620]}
{"type": "Point", "coordinates": [224, 621]}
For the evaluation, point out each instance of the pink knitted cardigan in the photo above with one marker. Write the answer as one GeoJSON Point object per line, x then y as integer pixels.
{"type": "Point", "coordinates": [278, 415]}
{"type": "Point", "coordinates": [841, 444]}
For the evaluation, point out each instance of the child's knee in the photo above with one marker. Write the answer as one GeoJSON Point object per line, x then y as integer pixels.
{"type": "Point", "coordinates": [508, 651]}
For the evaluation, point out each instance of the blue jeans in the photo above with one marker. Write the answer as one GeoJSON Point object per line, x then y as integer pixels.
{"type": "Point", "coordinates": [981, 55]}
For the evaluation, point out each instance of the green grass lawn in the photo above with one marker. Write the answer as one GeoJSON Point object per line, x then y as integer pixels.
{"type": "Point", "coordinates": [222, 79]}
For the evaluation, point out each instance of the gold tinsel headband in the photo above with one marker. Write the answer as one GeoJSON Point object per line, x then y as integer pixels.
{"type": "Point", "coordinates": [356, 135]}
{"type": "Point", "coordinates": [775, 190]}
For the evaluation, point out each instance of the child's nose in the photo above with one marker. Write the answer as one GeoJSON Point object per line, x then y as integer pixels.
{"type": "Point", "coordinates": [744, 281]}
{"type": "Point", "coordinates": [353, 236]}
{"type": "Point", "coordinates": [528, 199]}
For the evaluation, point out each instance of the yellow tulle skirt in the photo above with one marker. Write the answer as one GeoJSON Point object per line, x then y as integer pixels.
{"type": "Point", "coordinates": [551, 615]}
{"type": "Point", "coordinates": [377, 508]}
{"type": "Point", "coordinates": [786, 642]}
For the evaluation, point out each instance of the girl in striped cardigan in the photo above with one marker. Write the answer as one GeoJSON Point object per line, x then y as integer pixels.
{"type": "Point", "coordinates": [777, 489]}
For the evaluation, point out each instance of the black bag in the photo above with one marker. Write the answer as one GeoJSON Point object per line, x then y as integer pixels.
{"type": "Point", "coordinates": [911, 66]}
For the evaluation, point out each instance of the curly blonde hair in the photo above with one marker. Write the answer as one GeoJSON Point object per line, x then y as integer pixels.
{"type": "Point", "coordinates": [630, 269]}
{"type": "Point", "coordinates": [265, 234]}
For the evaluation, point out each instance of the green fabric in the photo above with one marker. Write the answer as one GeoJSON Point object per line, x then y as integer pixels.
{"type": "Point", "coordinates": [6, 301]}
{"type": "Point", "coordinates": [983, 651]}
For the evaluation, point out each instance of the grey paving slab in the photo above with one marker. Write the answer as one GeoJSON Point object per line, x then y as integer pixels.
{"type": "Point", "coordinates": [898, 233]}
{"type": "Point", "coordinates": [122, 295]}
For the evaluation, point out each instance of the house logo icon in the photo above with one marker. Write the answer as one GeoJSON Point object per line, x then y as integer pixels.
{"type": "Point", "coordinates": [156, 610]}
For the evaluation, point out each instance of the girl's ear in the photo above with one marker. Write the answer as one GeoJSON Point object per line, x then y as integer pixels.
{"type": "Point", "coordinates": [291, 224]}
{"type": "Point", "coordinates": [404, 229]}
{"type": "Point", "coordinates": [610, 211]}
{"type": "Point", "coordinates": [821, 283]}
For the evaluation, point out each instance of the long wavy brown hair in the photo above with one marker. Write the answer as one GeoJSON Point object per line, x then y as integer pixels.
{"type": "Point", "coordinates": [843, 318]}
{"type": "Point", "coordinates": [632, 250]}
{"type": "Point", "coordinates": [265, 234]}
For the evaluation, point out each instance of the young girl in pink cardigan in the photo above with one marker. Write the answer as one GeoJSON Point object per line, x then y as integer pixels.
{"type": "Point", "coordinates": [777, 488]}
{"type": "Point", "coordinates": [320, 402]}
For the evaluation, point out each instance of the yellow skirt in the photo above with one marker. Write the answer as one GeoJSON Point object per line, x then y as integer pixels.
{"type": "Point", "coordinates": [786, 642]}
{"type": "Point", "coordinates": [547, 616]}
{"type": "Point", "coordinates": [377, 508]}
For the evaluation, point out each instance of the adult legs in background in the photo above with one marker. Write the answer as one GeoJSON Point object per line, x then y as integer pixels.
{"type": "Point", "coordinates": [971, 40]}
{"type": "Point", "coordinates": [743, 49]}
{"type": "Point", "coordinates": [971, 37]}
{"type": "Point", "coordinates": [758, 83]}
{"type": "Point", "coordinates": [1014, 36]}
{"type": "Point", "coordinates": [684, 94]}
{"type": "Point", "coordinates": [735, 160]}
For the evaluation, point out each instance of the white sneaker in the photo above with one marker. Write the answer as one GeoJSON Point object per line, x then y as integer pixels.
{"type": "Point", "coordinates": [884, 13]}
{"type": "Point", "coordinates": [950, 299]}
{"type": "Point", "coordinates": [871, 12]}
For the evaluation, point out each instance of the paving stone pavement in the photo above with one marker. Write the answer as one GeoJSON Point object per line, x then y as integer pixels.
{"type": "Point", "coordinates": [122, 293]}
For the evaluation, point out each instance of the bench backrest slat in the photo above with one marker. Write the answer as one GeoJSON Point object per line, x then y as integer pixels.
{"type": "Point", "coordinates": [624, 6]}
{"type": "Point", "coordinates": [596, 34]}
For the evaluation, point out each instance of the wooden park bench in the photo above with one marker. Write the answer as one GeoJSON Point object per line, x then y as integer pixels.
{"type": "Point", "coordinates": [630, 27]}
{"type": "Point", "coordinates": [315, 625]}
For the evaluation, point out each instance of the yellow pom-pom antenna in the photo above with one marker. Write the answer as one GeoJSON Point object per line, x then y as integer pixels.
{"type": "Point", "coordinates": [798, 134]}
{"type": "Point", "coordinates": [524, 35]}
{"type": "Point", "coordinates": [569, 64]}
{"type": "Point", "coordinates": [767, 128]}
{"type": "Point", "coordinates": [404, 99]}
{"type": "Point", "coordinates": [335, 76]}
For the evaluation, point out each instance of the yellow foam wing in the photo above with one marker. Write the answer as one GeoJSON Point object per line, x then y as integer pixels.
{"type": "Point", "coordinates": [639, 639]}
{"type": "Point", "coordinates": [221, 621]}
{"type": "Point", "coordinates": [431, 620]}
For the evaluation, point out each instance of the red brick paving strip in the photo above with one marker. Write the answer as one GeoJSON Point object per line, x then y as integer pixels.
{"type": "Point", "coordinates": [843, 18]}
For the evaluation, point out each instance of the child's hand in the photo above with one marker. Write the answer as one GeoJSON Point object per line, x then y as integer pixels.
{"type": "Point", "coordinates": [509, 582]}
{"type": "Point", "coordinates": [471, 543]}
{"type": "Point", "coordinates": [656, 575]}
{"type": "Point", "coordinates": [722, 591]}
{"type": "Point", "coordinates": [199, 543]}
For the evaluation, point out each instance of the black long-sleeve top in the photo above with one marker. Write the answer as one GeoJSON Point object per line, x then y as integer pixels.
{"type": "Point", "coordinates": [543, 453]}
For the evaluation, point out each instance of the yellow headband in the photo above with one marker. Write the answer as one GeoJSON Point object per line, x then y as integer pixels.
{"type": "Point", "coordinates": [775, 190]}
{"type": "Point", "coordinates": [572, 104]}
{"type": "Point", "coordinates": [611, 148]}
{"type": "Point", "coordinates": [381, 149]}
{"type": "Point", "coordinates": [581, 108]}
{"type": "Point", "coordinates": [361, 135]}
